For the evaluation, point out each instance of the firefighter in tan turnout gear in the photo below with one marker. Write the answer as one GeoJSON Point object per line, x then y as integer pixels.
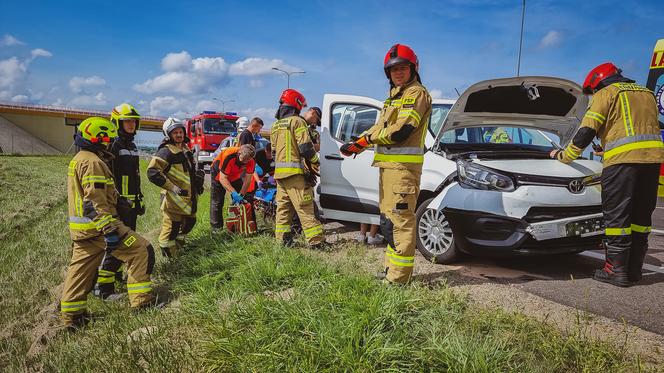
{"type": "Point", "coordinates": [95, 227]}
{"type": "Point", "coordinates": [173, 170]}
{"type": "Point", "coordinates": [125, 168]}
{"type": "Point", "coordinates": [624, 116]}
{"type": "Point", "coordinates": [398, 137]}
{"type": "Point", "coordinates": [292, 148]}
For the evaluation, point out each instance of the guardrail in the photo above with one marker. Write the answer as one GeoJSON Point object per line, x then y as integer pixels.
{"type": "Point", "coordinates": [66, 110]}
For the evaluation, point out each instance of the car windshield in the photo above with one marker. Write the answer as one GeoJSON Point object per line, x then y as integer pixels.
{"type": "Point", "coordinates": [216, 125]}
{"type": "Point", "coordinates": [496, 138]}
{"type": "Point", "coordinates": [438, 114]}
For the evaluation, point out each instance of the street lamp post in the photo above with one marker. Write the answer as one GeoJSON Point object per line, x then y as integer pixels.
{"type": "Point", "coordinates": [223, 103]}
{"type": "Point", "coordinates": [288, 74]}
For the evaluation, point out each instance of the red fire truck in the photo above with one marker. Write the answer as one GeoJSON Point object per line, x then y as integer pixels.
{"type": "Point", "coordinates": [206, 131]}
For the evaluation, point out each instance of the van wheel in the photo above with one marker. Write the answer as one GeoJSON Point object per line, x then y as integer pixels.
{"type": "Point", "coordinates": [434, 235]}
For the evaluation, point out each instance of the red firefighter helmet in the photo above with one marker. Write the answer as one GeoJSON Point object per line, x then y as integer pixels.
{"type": "Point", "coordinates": [293, 98]}
{"type": "Point", "coordinates": [597, 75]}
{"type": "Point", "coordinates": [400, 53]}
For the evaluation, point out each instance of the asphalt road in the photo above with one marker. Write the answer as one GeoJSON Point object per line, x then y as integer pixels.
{"type": "Point", "coordinates": [566, 279]}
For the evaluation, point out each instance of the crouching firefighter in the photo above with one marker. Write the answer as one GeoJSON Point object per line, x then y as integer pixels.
{"type": "Point", "coordinates": [292, 146]}
{"type": "Point", "coordinates": [398, 137]}
{"type": "Point", "coordinates": [172, 169]}
{"type": "Point", "coordinates": [95, 229]}
{"type": "Point", "coordinates": [126, 173]}
{"type": "Point", "coordinates": [624, 116]}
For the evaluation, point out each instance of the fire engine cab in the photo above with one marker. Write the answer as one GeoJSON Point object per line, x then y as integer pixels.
{"type": "Point", "coordinates": [207, 130]}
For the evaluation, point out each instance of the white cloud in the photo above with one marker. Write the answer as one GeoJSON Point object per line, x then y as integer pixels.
{"type": "Point", "coordinates": [13, 75]}
{"type": "Point", "coordinates": [40, 53]}
{"type": "Point", "coordinates": [176, 61]}
{"type": "Point", "coordinates": [20, 98]}
{"type": "Point", "coordinates": [436, 93]}
{"type": "Point", "coordinates": [185, 75]}
{"type": "Point", "coordinates": [167, 105]}
{"type": "Point", "coordinates": [9, 40]}
{"type": "Point", "coordinates": [12, 71]}
{"type": "Point", "coordinates": [254, 66]}
{"type": "Point", "coordinates": [551, 39]}
{"type": "Point", "coordinates": [79, 84]}
{"type": "Point", "coordinates": [84, 101]}
{"type": "Point", "coordinates": [58, 102]}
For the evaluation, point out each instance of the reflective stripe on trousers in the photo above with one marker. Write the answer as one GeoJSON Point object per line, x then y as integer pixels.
{"type": "Point", "coordinates": [141, 287]}
{"type": "Point", "coordinates": [73, 306]}
{"type": "Point", "coordinates": [399, 260]}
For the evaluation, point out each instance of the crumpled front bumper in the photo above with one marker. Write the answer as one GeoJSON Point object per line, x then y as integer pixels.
{"type": "Point", "coordinates": [485, 234]}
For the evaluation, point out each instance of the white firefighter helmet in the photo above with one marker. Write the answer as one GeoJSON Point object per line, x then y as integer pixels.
{"type": "Point", "coordinates": [242, 123]}
{"type": "Point", "coordinates": [170, 124]}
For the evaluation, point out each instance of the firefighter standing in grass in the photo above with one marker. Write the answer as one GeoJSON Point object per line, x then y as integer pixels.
{"type": "Point", "coordinates": [126, 173]}
{"type": "Point", "coordinates": [292, 147]}
{"type": "Point", "coordinates": [173, 170]}
{"type": "Point", "coordinates": [95, 229]}
{"type": "Point", "coordinates": [624, 116]}
{"type": "Point", "coordinates": [398, 137]}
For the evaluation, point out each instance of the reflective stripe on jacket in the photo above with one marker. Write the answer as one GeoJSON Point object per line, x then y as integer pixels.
{"type": "Point", "coordinates": [91, 196]}
{"type": "Point", "coordinates": [407, 111]}
{"type": "Point", "coordinates": [291, 144]}
{"type": "Point", "coordinates": [173, 166]}
{"type": "Point", "coordinates": [624, 117]}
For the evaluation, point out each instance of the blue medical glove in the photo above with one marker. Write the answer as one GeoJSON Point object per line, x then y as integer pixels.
{"type": "Point", "coordinates": [236, 197]}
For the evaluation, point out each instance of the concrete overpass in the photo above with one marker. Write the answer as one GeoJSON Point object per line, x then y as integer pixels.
{"type": "Point", "coordinates": [40, 129]}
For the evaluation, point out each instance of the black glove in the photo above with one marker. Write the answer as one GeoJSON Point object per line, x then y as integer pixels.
{"type": "Point", "coordinates": [112, 241]}
{"type": "Point", "coordinates": [140, 205]}
{"type": "Point", "coordinates": [124, 206]}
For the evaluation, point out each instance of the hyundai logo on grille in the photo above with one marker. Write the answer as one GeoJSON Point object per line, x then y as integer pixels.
{"type": "Point", "coordinates": [576, 186]}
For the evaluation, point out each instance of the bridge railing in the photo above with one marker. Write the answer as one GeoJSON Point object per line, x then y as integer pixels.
{"type": "Point", "coordinates": [67, 110]}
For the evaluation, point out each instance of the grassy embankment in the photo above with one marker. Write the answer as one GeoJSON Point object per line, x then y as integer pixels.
{"type": "Point", "coordinates": [250, 305]}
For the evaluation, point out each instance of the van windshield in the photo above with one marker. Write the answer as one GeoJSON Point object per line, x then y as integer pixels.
{"type": "Point", "coordinates": [496, 138]}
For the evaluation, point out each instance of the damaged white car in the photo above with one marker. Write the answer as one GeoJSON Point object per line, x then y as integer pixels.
{"type": "Point", "coordinates": [488, 185]}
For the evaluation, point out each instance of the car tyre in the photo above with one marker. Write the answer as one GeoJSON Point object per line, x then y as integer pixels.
{"type": "Point", "coordinates": [434, 235]}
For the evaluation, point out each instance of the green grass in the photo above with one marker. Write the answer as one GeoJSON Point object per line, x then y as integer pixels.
{"type": "Point", "coordinates": [251, 305]}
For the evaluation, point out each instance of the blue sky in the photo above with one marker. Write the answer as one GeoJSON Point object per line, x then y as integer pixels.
{"type": "Point", "coordinates": [174, 57]}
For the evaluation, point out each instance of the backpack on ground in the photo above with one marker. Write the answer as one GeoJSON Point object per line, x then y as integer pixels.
{"type": "Point", "coordinates": [241, 219]}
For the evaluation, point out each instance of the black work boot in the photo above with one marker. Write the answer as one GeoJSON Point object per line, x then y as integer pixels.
{"type": "Point", "coordinates": [288, 240]}
{"type": "Point", "coordinates": [79, 322]}
{"type": "Point", "coordinates": [636, 257]}
{"type": "Point", "coordinates": [615, 267]}
{"type": "Point", "coordinates": [104, 291]}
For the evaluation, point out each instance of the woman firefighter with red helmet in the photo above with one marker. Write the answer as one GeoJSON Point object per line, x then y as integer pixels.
{"type": "Point", "coordinates": [398, 137]}
{"type": "Point", "coordinates": [624, 116]}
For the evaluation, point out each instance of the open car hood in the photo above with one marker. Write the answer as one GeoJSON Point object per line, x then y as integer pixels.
{"type": "Point", "coordinates": [550, 104]}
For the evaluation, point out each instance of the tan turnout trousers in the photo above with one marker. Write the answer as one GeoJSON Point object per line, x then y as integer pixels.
{"type": "Point", "coordinates": [398, 198]}
{"type": "Point", "coordinates": [295, 195]}
{"type": "Point", "coordinates": [134, 251]}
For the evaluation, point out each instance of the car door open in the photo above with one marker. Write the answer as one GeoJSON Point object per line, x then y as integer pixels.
{"type": "Point", "coordinates": [349, 186]}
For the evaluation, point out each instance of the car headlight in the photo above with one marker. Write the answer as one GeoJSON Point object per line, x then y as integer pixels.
{"type": "Point", "coordinates": [477, 177]}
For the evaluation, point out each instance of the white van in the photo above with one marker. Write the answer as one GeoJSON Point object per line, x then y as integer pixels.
{"type": "Point", "coordinates": [478, 195]}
